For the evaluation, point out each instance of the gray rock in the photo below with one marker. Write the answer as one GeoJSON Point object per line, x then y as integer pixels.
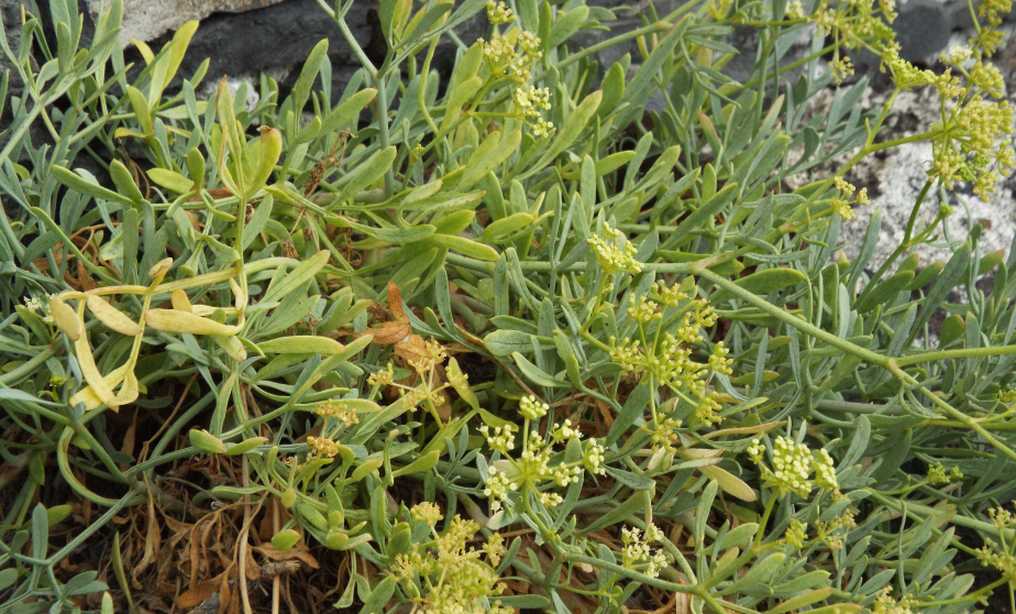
{"type": "Point", "coordinates": [275, 39]}
{"type": "Point", "coordinates": [923, 29]}
{"type": "Point", "coordinates": [148, 19]}
{"type": "Point", "coordinates": [895, 181]}
{"type": "Point", "coordinates": [10, 13]}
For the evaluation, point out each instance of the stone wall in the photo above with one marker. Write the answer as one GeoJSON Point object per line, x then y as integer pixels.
{"type": "Point", "coordinates": [248, 36]}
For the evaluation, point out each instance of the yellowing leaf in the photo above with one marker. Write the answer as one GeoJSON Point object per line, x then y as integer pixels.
{"type": "Point", "coordinates": [180, 301]}
{"type": "Point", "coordinates": [87, 394]}
{"type": "Point", "coordinates": [171, 180]}
{"type": "Point", "coordinates": [232, 346]}
{"type": "Point", "coordinates": [128, 392]}
{"type": "Point", "coordinates": [265, 152]}
{"type": "Point", "coordinates": [159, 270]}
{"type": "Point", "coordinates": [83, 352]}
{"type": "Point", "coordinates": [729, 483]}
{"type": "Point", "coordinates": [174, 321]}
{"type": "Point", "coordinates": [146, 52]}
{"type": "Point", "coordinates": [301, 344]}
{"type": "Point", "coordinates": [66, 319]}
{"type": "Point", "coordinates": [112, 317]}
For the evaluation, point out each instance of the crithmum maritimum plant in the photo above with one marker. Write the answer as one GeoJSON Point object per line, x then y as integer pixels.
{"type": "Point", "coordinates": [546, 330]}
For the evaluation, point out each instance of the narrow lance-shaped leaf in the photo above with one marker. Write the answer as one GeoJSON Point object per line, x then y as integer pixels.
{"type": "Point", "coordinates": [567, 134]}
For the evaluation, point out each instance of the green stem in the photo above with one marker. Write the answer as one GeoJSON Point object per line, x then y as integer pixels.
{"type": "Point", "coordinates": [72, 480]}
{"type": "Point", "coordinates": [29, 367]}
{"type": "Point", "coordinates": [754, 83]}
{"type": "Point", "coordinates": [923, 512]}
{"type": "Point", "coordinates": [865, 354]}
{"type": "Point", "coordinates": [883, 145]}
{"type": "Point", "coordinates": [787, 318]}
{"type": "Point", "coordinates": [659, 26]}
{"type": "Point", "coordinates": [760, 535]}
{"type": "Point", "coordinates": [954, 413]}
{"type": "Point", "coordinates": [378, 76]}
{"type": "Point", "coordinates": [634, 575]}
{"type": "Point", "coordinates": [904, 244]}
{"type": "Point", "coordinates": [979, 352]}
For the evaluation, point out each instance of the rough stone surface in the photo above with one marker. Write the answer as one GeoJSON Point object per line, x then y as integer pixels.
{"type": "Point", "coordinates": [894, 182]}
{"type": "Point", "coordinates": [275, 39]}
{"type": "Point", "coordinates": [9, 12]}
{"type": "Point", "coordinates": [148, 19]}
{"type": "Point", "coordinates": [923, 29]}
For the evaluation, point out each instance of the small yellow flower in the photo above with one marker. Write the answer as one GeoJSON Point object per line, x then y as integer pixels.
{"type": "Point", "coordinates": [842, 68]}
{"type": "Point", "coordinates": [665, 434]}
{"type": "Point", "coordinates": [885, 604]}
{"type": "Point", "coordinates": [638, 552]}
{"type": "Point", "coordinates": [427, 512]}
{"type": "Point", "coordinates": [494, 548]}
{"type": "Point", "coordinates": [825, 472]}
{"type": "Point", "coordinates": [989, 78]}
{"type": "Point", "coordinates": [323, 446]}
{"type": "Point", "coordinates": [957, 55]}
{"type": "Point", "coordinates": [551, 499]}
{"type": "Point", "coordinates": [796, 534]}
{"type": "Point", "coordinates": [720, 361]}
{"type": "Point", "coordinates": [614, 252]}
{"type": "Point", "coordinates": [671, 296]}
{"type": "Point", "coordinates": [384, 377]}
{"type": "Point", "coordinates": [644, 311]}
{"type": "Point", "coordinates": [432, 355]}
{"type": "Point", "coordinates": [498, 13]}
{"type": "Point", "coordinates": [532, 408]}
{"type": "Point", "coordinates": [593, 457]}
{"type": "Point", "coordinates": [338, 410]}
{"type": "Point", "coordinates": [500, 438]}
{"type": "Point", "coordinates": [792, 467]}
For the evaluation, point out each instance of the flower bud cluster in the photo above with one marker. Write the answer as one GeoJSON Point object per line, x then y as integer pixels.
{"type": "Point", "coordinates": [639, 551]}
{"type": "Point", "coordinates": [323, 446]}
{"type": "Point", "coordinates": [614, 252]}
{"type": "Point", "coordinates": [795, 468]}
{"type": "Point", "coordinates": [971, 141]}
{"type": "Point", "coordinates": [886, 604]}
{"type": "Point", "coordinates": [540, 466]}
{"type": "Point", "coordinates": [668, 358]}
{"type": "Point", "coordinates": [846, 195]}
{"type": "Point", "coordinates": [511, 56]}
{"type": "Point", "coordinates": [339, 411]}
{"type": "Point", "coordinates": [423, 572]}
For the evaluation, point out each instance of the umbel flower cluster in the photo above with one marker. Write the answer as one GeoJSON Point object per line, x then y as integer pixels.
{"type": "Point", "coordinates": [971, 140]}
{"type": "Point", "coordinates": [543, 466]}
{"type": "Point", "coordinates": [831, 533]}
{"type": "Point", "coordinates": [511, 56]}
{"type": "Point", "coordinates": [424, 387]}
{"type": "Point", "coordinates": [846, 196]}
{"type": "Point", "coordinates": [675, 358]}
{"type": "Point", "coordinates": [999, 553]}
{"type": "Point", "coordinates": [444, 573]}
{"type": "Point", "coordinates": [794, 468]}
{"type": "Point", "coordinates": [614, 253]}
{"type": "Point", "coordinates": [640, 552]}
